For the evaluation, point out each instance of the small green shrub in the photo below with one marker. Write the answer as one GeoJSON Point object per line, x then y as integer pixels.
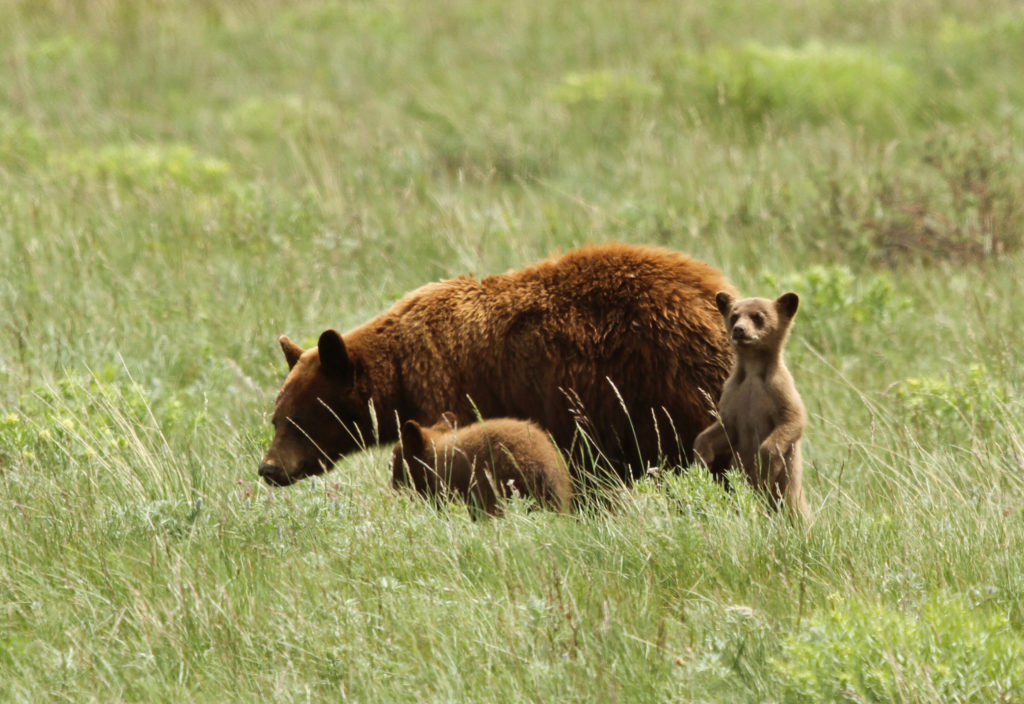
{"type": "Point", "coordinates": [943, 649]}
{"type": "Point", "coordinates": [835, 302]}
{"type": "Point", "coordinates": [835, 290]}
{"type": "Point", "coordinates": [21, 144]}
{"type": "Point", "coordinates": [104, 428]}
{"type": "Point", "coordinates": [65, 50]}
{"type": "Point", "coordinates": [951, 411]}
{"type": "Point", "coordinates": [146, 166]}
{"type": "Point", "coordinates": [814, 83]}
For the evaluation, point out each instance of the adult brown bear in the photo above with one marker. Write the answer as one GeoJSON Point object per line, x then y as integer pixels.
{"type": "Point", "coordinates": [620, 341]}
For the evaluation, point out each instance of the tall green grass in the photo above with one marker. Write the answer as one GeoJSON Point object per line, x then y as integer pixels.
{"type": "Point", "coordinates": [179, 184]}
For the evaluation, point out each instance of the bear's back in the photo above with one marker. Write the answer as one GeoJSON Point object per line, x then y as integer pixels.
{"type": "Point", "coordinates": [615, 346]}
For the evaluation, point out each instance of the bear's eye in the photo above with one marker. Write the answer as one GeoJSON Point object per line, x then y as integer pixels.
{"type": "Point", "coordinates": [733, 318]}
{"type": "Point", "coordinates": [758, 319]}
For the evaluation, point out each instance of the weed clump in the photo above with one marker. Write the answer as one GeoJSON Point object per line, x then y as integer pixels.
{"type": "Point", "coordinates": [810, 84]}
{"type": "Point", "coordinates": [947, 411]}
{"type": "Point", "coordinates": [835, 297]}
{"type": "Point", "coordinates": [943, 649]}
{"type": "Point", "coordinates": [146, 166]}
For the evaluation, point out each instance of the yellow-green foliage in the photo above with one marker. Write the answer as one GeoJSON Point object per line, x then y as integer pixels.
{"type": "Point", "coordinates": [943, 649]}
{"type": "Point", "coordinates": [145, 166]}
{"type": "Point", "coordinates": [951, 409]}
{"type": "Point", "coordinates": [811, 83]}
{"type": "Point", "coordinates": [21, 144]}
{"type": "Point", "coordinates": [831, 291]}
{"type": "Point", "coordinates": [838, 306]}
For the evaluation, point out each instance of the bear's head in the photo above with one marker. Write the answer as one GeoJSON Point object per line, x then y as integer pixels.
{"type": "Point", "coordinates": [757, 324]}
{"type": "Point", "coordinates": [322, 412]}
{"type": "Point", "coordinates": [415, 457]}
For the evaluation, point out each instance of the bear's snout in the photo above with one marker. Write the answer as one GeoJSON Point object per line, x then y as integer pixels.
{"type": "Point", "coordinates": [739, 334]}
{"type": "Point", "coordinates": [273, 475]}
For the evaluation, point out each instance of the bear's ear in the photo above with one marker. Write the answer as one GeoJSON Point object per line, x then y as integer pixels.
{"type": "Point", "coordinates": [334, 357]}
{"type": "Point", "coordinates": [292, 352]}
{"type": "Point", "coordinates": [412, 439]}
{"type": "Point", "coordinates": [724, 302]}
{"type": "Point", "coordinates": [787, 304]}
{"type": "Point", "coordinates": [449, 419]}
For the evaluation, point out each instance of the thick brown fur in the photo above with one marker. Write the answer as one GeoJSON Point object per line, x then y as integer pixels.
{"type": "Point", "coordinates": [573, 341]}
{"type": "Point", "coordinates": [481, 463]}
{"type": "Point", "coordinates": [761, 415]}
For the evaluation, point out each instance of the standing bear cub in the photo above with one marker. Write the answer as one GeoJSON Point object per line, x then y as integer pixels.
{"type": "Point", "coordinates": [481, 463]}
{"type": "Point", "coordinates": [760, 415]}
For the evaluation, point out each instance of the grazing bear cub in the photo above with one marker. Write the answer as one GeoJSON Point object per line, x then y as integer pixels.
{"type": "Point", "coordinates": [481, 463]}
{"type": "Point", "coordinates": [761, 416]}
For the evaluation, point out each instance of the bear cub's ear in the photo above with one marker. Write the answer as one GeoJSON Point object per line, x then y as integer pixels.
{"type": "Point", "coordinates": [412, 439]}
{"type": "Point", "coordinates": [787, 304]}
{"type": "Point", "coordinates": [450, 419]}
{"type": "Point", "coordinates": [724, 302]}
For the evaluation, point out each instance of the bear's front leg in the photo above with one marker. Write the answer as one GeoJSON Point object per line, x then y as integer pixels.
{"type": "Point", "coordinates": [783, 467]}
{"type": "Point", "coordinates": [711, 445]}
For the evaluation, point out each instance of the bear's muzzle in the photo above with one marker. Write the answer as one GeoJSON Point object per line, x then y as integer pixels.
{"type": "Point", "coordinates": [274, 475]}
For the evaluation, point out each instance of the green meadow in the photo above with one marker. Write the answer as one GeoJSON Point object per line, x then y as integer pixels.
{"type": "Point", "coordinates": [182, 182]}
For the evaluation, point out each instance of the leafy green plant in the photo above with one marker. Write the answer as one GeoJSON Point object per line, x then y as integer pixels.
{"type": "Point", "coordinates": [814, 83]}
{"type": "Point", "coordinates": [145, 166]}
{"type": "Point", "coordinates": [836, 290]}
{"type": "Point", "coordinates": [102, 427]}
{"type": "Point", "coordinates": [21, 144]}
{"type": "Point", "coordinates": [837, 303]}
{"type": "Point", "coordinates": [942, 649]}
{"type": "Point", "coordinates": [952, 410]}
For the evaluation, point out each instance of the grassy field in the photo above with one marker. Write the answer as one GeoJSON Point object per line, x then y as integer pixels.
{"type": "Point", "coordinates": [180, 183]}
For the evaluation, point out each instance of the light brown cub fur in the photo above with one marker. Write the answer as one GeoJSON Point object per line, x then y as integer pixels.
{"type": "Point", "coordinates": [761, 416]}
{"type": "Point", "coordinates": [481, 463]}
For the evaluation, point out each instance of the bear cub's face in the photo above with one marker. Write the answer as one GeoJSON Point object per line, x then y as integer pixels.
{"type": "Point", "coordinates": [414, 458]}
{"type": "Point", "coordinates": [321, 413]}
{"type": "Point", "coordinates": [756, 324]}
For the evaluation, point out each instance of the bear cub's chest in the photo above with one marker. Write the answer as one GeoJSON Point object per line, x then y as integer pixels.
{"type": "Point", "coordinates": [748, 420]}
